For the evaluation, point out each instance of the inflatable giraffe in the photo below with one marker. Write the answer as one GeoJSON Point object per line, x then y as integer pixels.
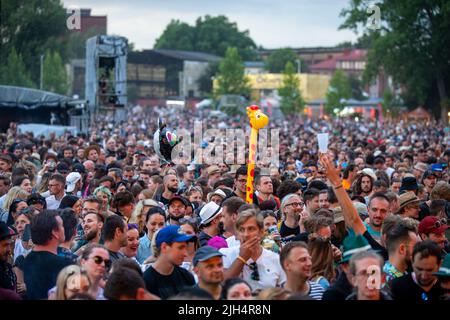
{"type": "Point", "coordinates": [258, 120]}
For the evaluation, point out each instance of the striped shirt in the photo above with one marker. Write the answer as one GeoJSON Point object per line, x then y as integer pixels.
{"type": "Point", "coordinates": [315, 290]}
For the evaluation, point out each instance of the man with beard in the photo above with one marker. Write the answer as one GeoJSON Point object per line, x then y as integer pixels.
{"type": "Point", "coordinates": [170, 183]}
{"type": "Point", "coordinates": [421, 284]}
{"type": "Point", "coordinates": [165, 277]}
{"type": "Point", "coordinates": [400, 241]}
{"type": "Point", "coordinates": [378, 210]}
{"type": "Point", "coordinates": [429, 181]}
{"type": "Point", "coordinates": [177, 208]}
{"type": "Point", "coordinates": [8, 279]}
{"type": "Point", "coordinates": [115, 236]}
{"type": "Point", "coordinates": [364, 185]}
{"type": "Point", "coordinates": [208, 265]}
{"type": "Point", "coordinates": [211, 215]}
{"type": "Point", "coordinates": [291, 206]}
{"type": "Point", "coordinates": [92, 227]}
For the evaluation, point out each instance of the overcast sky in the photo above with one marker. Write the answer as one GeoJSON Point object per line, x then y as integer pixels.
{"type": "Point", "coordinates": [271, 23]}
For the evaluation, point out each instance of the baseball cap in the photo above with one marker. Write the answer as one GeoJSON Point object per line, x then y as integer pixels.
{"type": "Point", "coordinates": [62, 167]}
{"type": "Point", "coordinates": [171, 234]}
{"type": "Point", "coordinates": [209, 212]}
{"type": "Point", "coordinates": [429, 173]}
{"type": "Point", "coordinates": [217, 192]}
{"type": "Point", "coordinates": [436, 167]}
{"type": "Point", "coordinates": [352, 245]}
{"type": "Point", "coordinates": [5, 231]}
{"type": "Point", "coordinates": [432, 224]}
{"type": "Point", "coordinates": [338, 215]}
{"type": "Point", "coordinates": [179, 198]}
{"type": "Point", "coordinates": [205, 253]}
{"type": "Point", "coordinates": [78, 167]}
{"type": "Point", "coordinates": [71, 180]}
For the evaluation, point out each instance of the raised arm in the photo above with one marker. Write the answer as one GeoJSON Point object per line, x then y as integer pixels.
{"type": "Point", "coordinates": [351, 217]}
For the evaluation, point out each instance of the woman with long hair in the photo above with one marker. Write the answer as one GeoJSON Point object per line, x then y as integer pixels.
{"type": "Point", "coordinates": [322, 269]}
{"type": "Point", "coordinates": [189, 226]}
{"type": "Point", "coordinates": [95, 260]}
{"type": "Point", "coordinates": [71, 280]}
{"type": "Point", "coordinates": [42, 187]}
{"type": "Point", "coordinates": [155, 219]}
{"type": "Point", "coordinates": [13, 193]}
{"type": "Point", "coordinates": [139, 214]}
{"type": "Point", "coordinates": [105, 196]}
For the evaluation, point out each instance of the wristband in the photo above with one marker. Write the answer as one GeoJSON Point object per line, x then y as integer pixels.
{"type": "Point", "coordinates": [242, 259]}
{"type": "Point", "coordinates": [337, 187]}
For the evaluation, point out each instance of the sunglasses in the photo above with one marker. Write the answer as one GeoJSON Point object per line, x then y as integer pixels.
{"type": "Point", "coordinates": [255, 273]}
{"type": "Point", "coordinates": [440, 223]}
{"type": "Point", "coordinates": [296, 204]}
{"type": "Point", "coordinates": [188, 220]}
{"type": "Point", "coordinates": [99, 260]}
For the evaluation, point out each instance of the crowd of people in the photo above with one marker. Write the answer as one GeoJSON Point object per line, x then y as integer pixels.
{"type": "Point", "coordinates": [100, 216]}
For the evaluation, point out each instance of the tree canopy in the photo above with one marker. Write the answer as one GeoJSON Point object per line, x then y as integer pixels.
{"type": "Point", "coordinates": [338, 90]}
{"type": "Point", "coordinates": [411, 45]}
{"type": "Point", "coordinates": [277, 61]}
{"type": "Point", "coordinates": [231, 78]}
{"type": "Point", "coordinates": [30, 27]}
{"type": "Point", "coordinates": [291, 98]}
{"type": "Point", "coordinates": [209, 34]}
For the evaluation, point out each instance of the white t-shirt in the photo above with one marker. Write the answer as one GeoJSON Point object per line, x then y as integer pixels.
{"type": "Point", "coordinates": [52, 203]}
{"type": "Point", "coordinates": [19, 249]}
{"type": "Point", "coordinates": [233, 242]}
{"type": "Point", "coordinates": [269, 268]}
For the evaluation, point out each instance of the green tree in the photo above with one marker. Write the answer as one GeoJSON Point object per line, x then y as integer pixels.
{"type": "Point", "coordinates": [32, 27]}
{"type": "Point", "coordinates": [356, 87]}
{"type": "Point", "coordinates": [338, 90]}
{"type": "Point", "coordinates": [231, 78]}
{"type": "Point", "coordinates": [14, 73]}
{"type": "Point", "coordinates": [289, 91]}
{"type": "Point", "coordinates": [54, 74]}
{"type": "Point", "coordinates": [411, 45]}
{"type": "Point", "coordinates": [277, 60]}
{"type": "Point", "coordinates": [76, 44]}
{"type": "Point", "coordinates": [177, 36]}
{"type": "Point", "coordinates": [210, 34]}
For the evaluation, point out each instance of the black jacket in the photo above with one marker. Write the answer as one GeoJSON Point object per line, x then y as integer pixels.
{"type": "Point", "coordinates": [339, 290]}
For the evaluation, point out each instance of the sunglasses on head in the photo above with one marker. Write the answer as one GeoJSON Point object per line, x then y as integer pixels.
{"type": "Point", "coordinates": [99, 260]}
{"type": "Point", "coordinates": [441, 222]}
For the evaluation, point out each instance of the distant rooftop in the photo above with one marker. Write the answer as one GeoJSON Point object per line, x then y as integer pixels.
{"type": "Point", "coordinates": [189, 55]}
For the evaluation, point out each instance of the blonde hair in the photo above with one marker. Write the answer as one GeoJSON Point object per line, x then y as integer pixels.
{"type": "Point", "coordinates": [148, 194]}
{"type": "Point", "coordinates": [138, 212]}
{"type": "Point", "coordinates": [63, 277]}
{"type": "Point", "coordinates": [13, 194]}
{"type": "Point", "coordinates": [273, 294]}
